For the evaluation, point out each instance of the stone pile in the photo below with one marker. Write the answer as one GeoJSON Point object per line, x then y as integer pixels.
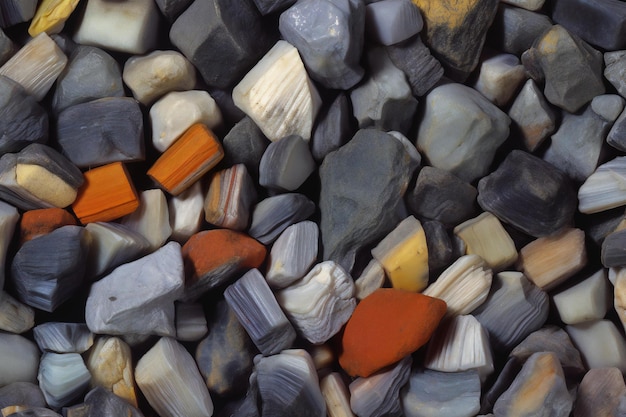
{"type": "Point", "coordinates": [312, 207]}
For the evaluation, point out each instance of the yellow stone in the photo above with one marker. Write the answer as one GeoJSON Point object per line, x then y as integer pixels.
{"type": "Point", "coordinates": [532, 395]}
{"type": "Point", "coordinates": [404, 256]}
{"type": "Point", "coordinates": [449, 13]}
{"type": "Point", "coordinates": [51, 15]}
{"type": "Point", "coordinates": [44, 185]}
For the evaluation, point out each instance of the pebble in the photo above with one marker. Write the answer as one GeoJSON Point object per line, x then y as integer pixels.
{"type": "Point", "coordinates": [102, 403]}
{"type": "Point", "coordinates": [51, 16]}
{"type": "Point", "coordinates": [158, 280]}
{"type": "Point", "coordinates": [392, 21]}
{"type": "Point", "coordinates": [271, 6]}
{"type": "Point", "coordinates": [271, 216]}
{"type": "Point", "coordinates": [169, 378]}
{"type": "Point", "coordinates": [532, 116]}
{"type": "Point", "coordinates": [371, 279]}
{"type": "Point", "coordinates": [151, 76]}
{"type": "Point", "coordinates": [517, 28]}
{"type": "Point", "coordinates": [35, 223]}
{"type": "Point", "coordinates": [43, 284]}
{"type": "Point", "coordinates": [191, 324]}
{"type": "Point", "coordinates": [20, 359]}
{"type": "Point", "coordinates": [151, 219]}
{"type": "Point", "coordinates": [526, 4]}
{"type": "Point", "coordinates": [457, 394]}
{"type": "Point", "coordinates": [292, 254]}
{"type": "Point", "coordinates": [617, 135]}
{"type": "Point", "coordinates": [612, 254]}
{"type": "Point", "coordinates": [230, 197]}
{"type": "Point", "coordinates": [525, 184]}
{"type": "Point", "coordinates": [603, 189]}
{"type": "Point", "coordinates": [186, 212]}
{"type": "Point", "coordinates": [63, 337]}
{"type": "Point", "coordinates": [619, 296]}
{"type": "Point", "coordinates": [286, 164]}
{"type": "Point", "coordinates": [585, 301]}
{"type": "Point", "coordinates": [331, 46]}
{"type": "Point", "coordinates": [215, 257]}
{"type": "Point", "coordinates": [385, 327]}
{"type": "Point", "coordinates": [379, 394]}
{"type": "Point", "coordinates": [245, 144]}
{"type": "Point", "coordinates": [514, 309]}
{"type": "Point", "coordinates": [259, 313]}
{"type": "Point", "coordinates": [16, 11]}
{"type": "Point", "coordinates": [21, 393]}
{"type": "Point", "coordinates": [499, 77]}
{"type": "Point", "coordinates": [333, 127]}
{"type": "Point", "coordinates": [15, 317]}
{"type": "Point", "coordinates": [62, 378]}
{"type": "Point", "coordinates": [9, 217]}
{"type": "Point", "coordinates": [610, 353]}
{"type": "Point", "coordinates": [336, 395]}
{"type": "Point", "coordinates": [7, 46]}
{"type": "Point", "coordinates": [453, 132]}
{"type": "Point", "coordinates": [362, 185]}
{"type": "Point", "coordinates": [172, 8]}
{"type": "Point", "coordinates": [319, 304]}
{"type": "Point", "coordinates": [600, 393]}
{"type": "Point", "coordinates": [615, 67]}
{"type": "Point", "coordinates": [440, 249]}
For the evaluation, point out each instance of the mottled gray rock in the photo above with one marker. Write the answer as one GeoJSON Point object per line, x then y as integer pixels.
{"type": "Point", "coordinates": [245, 144]}
{"type": "Point", "coordinates": [286, 164]}
{"type": "Point", "coordinates": [19, 359]}
{"type": "Point", "coordinates": [221, 38]}
{"type": "Point", "coordinates": [274, 214]}
{"type": "Point", "coordinates": [514, 29]}
{"type": "Point", "coordinates": [90, 74]}
{"type": "Point", "coordinates": [600, 393]}
{"type": "Point", "coordinates": [48, 270]}
{"type": "Point", "coordinates": [25, 393]}
{"type": "Point", "coordinates": [460, 131]}
{"type": "Point", "coordinates": [615, 70]}
{"type": "Point", "coordinates": [103, 403]}
{"type": "Point", "coordinates": [614, 249]}
{"type": "Point", "coordinates": [362, 185]}
{"type": "Point", "coordinates": [532, 117]}
{"type": "Point", "coordinates": [617, 135]}
{"type": "Point", "coordinates": [172, 8]}
{"type": "Point", "coordinates": [63, 377]}
{"type": "Point", "coordinates": [392, 21]}
{"type": "Point", "coordinates": [293, 253]}
{"type": "Point", "coordinates": [63, 337]}
{"type": "Point", "coordinates": [333, 128]}
{"type": "Point", "coordinates": [384, 100]}
{"type": "Point", "coordinates": [191, 325]}
{"type": "Point", "coordinates": [440, 250]}
{"type": "Point", "coordinates": [422, 70]}
{"type": "Point", "coordinates": [271, 6]}
{"type": "Point", "coordinates": [7, 47]}
{"type": "Point", "coordinates": [499, 77]}
{"type": "Point", "coordinates": [15, 317]}
{"type": "Point", "coordinates": [22, 119]}
{"type": "Point", "coordinates": [329, 38]}
{"type": "Point", "coordinates": [572, 69]}
{"type": "Point", "coordinates": [458, 393]}
{"type": "Point", "coordinates": [502, 382]}
{"type": "Point", "coordinates": [16, 11]}
{"type": "Point", "coordinates": [528, 193]}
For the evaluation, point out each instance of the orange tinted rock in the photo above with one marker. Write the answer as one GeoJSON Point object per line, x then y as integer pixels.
{"type": "Point", "coordinates": [386, 326]}
{"type": "Point", "coordinates": [43, 221]}
{"type": "Point", "coordinates": [213, 257]}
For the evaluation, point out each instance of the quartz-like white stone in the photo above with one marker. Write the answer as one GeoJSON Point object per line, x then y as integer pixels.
{"type": "Point", "coordinates": [185, 211]}
{"type": "Point", "coordinates": [533, 116]}
{"type": "Point", "coordinates": [600, 343]}
{"type": "Point", "coordinates": [151, 219]}
{"type": "Point", "coordinates": [619, 295]}
{"type": "Point", "coordinates": [62, 378]}
{"type": "Point", "coordinates": [585, 301]}
{"type": "Point", "coordinates": [336, 395]}
{"type": "Point", "coordinates": [392, 21]}
{"type": "Point", "coordinates": [605, 188]}
{"type": "Point", "coordinates": [499, 77]}
{"type": "Point", "coordinates": [292, 254]}
{"type": "Point", "coordinates": [371, 279]}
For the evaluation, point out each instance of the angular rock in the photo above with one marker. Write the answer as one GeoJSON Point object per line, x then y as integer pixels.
{"type": "Point", "coordinates": [333, 127]}
{"type": "Point", "coordinates": [102, 403]}
{"type": "Point", "coordinates": [19, 359]}
{"type": "Point", "coordinates": [526, 4]}
{"type": "Point", "coordinates": [9, 217]}
{"type": "Point", "coordinates": [151, 219]}
{"type": "Point", "coordinates": [35, 223]}
{"type": "Point", "coordinates": [392, 21]}
{"type": "Point", "coordinates": [604, 190]}
{"type": "Point", "coordinates": [617, 135]}
{"type": "Point", "coordinates": [422, 70]}
{"type": "Point", "coordinates": [572, 69]}
{"type": "Point", "coordinates": [172, 8]}
{"type": "Point", "coordinates": [292, 254]}
{"type": "Point", "coordinates": [101, 131]}
{"type": "Point", "coordinates": [502, 382]}
{"type": "Point", "coordinates": [271, 6]}
{"type": "Point", "coordinates": [63, 337]}
{"type": "Point", "coordinates": [273, 215]}
{"type": "Point", "coordinates": [600, 393]}
{"type": "Point", "coordinates": [15, 317]}
{"type": "Point", "coordinates": [619, 296]}
{"type": "Point", "coordinates": [191, 325]}
{"type": "Point", "coordinates": [62, 378]}
{"type": "Point", "coordinates": [48, 270]}
{"type": "Point", "coordinates": [371, 279]}
{"type": "Point", "coordinates": [615, 68]}
{"type": "Point", "coordinates": [148, 298]}
{"type": "Point", "coordinates": [585, 301]}
{"type": "Point", "coordinates": [336, 395]}
{"type": "Point", "coordinates": [499, 78]}
{"type": "Point", "coordinates": [613, 249]}
{"type": "Point", "coordinates": [331, 56]}
{"type": "Point", "coordinates": [245, 144]}
{"type": "Point", "coordinates": [440, 249]}
{"type": "Point", "coordinates": [525, 184]}
{"type": "Point", "coordinates": [16, 11]}
{"type": "Point", "coordinates": [532, 116]}
{"type": "Point", "coordinates": [461, 130]}
{"type": "Point", "coordinates": [286, 164]}
{"type": "Point", "coordinates": [21, 393]}
{"type": "Point", "coordinates": [610, 353]}
{"type": "Point", "coordinates": [362, 185]}
{"type": "Point", "coordinates": [515, 29]}
{"type": "Point", "coordinates": [7, 47]}
{"type": "Point", "coordinates": [186, 212]}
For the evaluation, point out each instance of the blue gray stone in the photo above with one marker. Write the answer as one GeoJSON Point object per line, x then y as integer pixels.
{"type": "Point", "coordinates": [63, 337]}
{"type": "Point", "coordinates": [25, 393]}
{"type": "Point", "coordinates": [13, 12]}
{"type": "Point", "coordinates": [245, 144]}
{"type": "Point", "coordinates": [423, 71]}
{"type": "Point", "coordinates": [514, 30]}
{"type": "Point", "coordinates": [63, 377]}
{"type": "Point", "coordinates": [333, 128]}
{"type": "Point", "coordinates": [274, 214]}
{"type": "Point", "coordinates": [286, 164]}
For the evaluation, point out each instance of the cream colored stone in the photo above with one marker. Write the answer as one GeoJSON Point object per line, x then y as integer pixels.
{"type": "Point", "coordinates": [44, 185]}
{"type": "Point", "coordinates": [371, 279]}
{"type": "Point", "coordinates": [585, 301]}
{"type": "Point", "coordinates": [336, 396]}
{"type": "Point", "coordinates": [600, 344]}
{"type": "Point", "coordinates": [151, 219]}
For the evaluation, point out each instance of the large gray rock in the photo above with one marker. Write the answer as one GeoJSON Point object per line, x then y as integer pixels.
{"type": "Point", "coordinates": [362, 185]}
{"type": "Point", "coordinates": [19, 359]}
{"type": "Point", "coordinates": [514, 29]}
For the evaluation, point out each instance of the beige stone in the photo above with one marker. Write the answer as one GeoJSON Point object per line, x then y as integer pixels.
{"type": "Point", "coordinates": [44, 185]}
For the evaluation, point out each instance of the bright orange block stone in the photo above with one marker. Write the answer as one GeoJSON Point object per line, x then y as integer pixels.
{"type": "Point", "coordinates": [106, 195]}
{"type": "Point", "coordinates": [385, 327]}
{"type": "Point", "coordinates": [188, 159]}
{"type": "Point", "coordinates": [39, 222]}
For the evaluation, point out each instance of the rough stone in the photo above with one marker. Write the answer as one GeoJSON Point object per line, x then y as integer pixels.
{"type": "Point", "coordinates": [392, 21]}
{"type": "Point", "coordinates": [333, 127]}
{"type": "Point", "coordinates": [245, 144]}
{"type": "Point", "coordinates": [532, 117]}
{"type": "Point", "coordinates": [515, 29]}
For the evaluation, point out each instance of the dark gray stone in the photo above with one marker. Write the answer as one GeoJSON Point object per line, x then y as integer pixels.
{"type": "Point", "coordinates": [440, 249]}
{"type": "Point", "coordinates": [442, 196]}
{"type": "Point", "coordinates": [274, 214]}
{"type": "Point", "coordinates": [615, 70]}
{"type": "Point", "coordinates": [514, 29]}
{"type": "Point", "coordinates": [600, 225]}
{"type": "Point", "coordinates": [48, 270]}
{"type": "Point", "coordinates": [7, 47]}
{"type": "Point", "coordinates": [90, 74]}
{"type": "Point", "coordinates": [362, 186]}
{"type": "Point", "coordinates": [13, 12]}
{"type": "Point", "coordinates": [24, 393]}
{"type": "Point", "coordinates": [101, 131]}
{"type": "Point", "coordinates": [502, 382]}
{"type": "Point", "coordinates": [36, 412]}
{"type": "Point", "coordinates": [614, 249]}
{"type": "Point", "coordinates": [63, 337]}
{"type": "Point", "coordinates": [271, 6]}
{"type": "Point", "coordinates": [286, 164]}
{"type": "Point", "coordinates": [529, 194]}
{"type": "Point", "coordinates": [333, 128]}
{"type": "Point", "coordinates": [172, 8]}
{"type": "Point", "coordinates": [22, 119]}
{"type": "Point", "coordinates": [245, 144]}
{"type": "Point", "coordinates": [223, 39]}
{"type": "Point", "coordinates": [103, 403]}
{"type": "Point", "coordinates": [617, 135]}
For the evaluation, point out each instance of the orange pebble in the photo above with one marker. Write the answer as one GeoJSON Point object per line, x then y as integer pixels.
{"type": "Point", "coordinates": [189, 158]}
{"type": "Point", "coordinates": [43, 221]}
{"type": "Point", "coordinates": [107, 194]}
{"type": "Point", "coordinates": [385, 327]}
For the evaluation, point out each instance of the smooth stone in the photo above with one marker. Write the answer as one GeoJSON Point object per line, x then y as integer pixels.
{"type": "Point", "coordinates": [245, 144]}
{"type": "Point", "coordinates": [603, 190]}
{"type": "Point", "coordinates": [171, 9]}
{"type": "Point", "coordinates": [379, 394]}
{"type": "Point", "coordinates": [461, 130]}
{"type": "Point", "coordinates": [331, 56]}
{"type": "Point", "coordinates": [158, 280]}
{"type": "Point", "coordinates": [111, 367]}
{"type": "Point", "coordinates": [230, 197]}
{"type": "Point", "coordinates": [610, 353]}
{"type": "Point", "coordinates": [576, 147]}
{"type": "Point", "coordinates": [25, 393]}
{"type": "Point", "coordinates": [526, 4]}
{"type": "Point", "coordinates": [288, 385]}
{"type": "Point", "coordinates": [525, 184]}
{"type": "Point", "coordinates": [13, 12]}
{"type": "Point", "coordinates": [273, 215]}
{"type": "Point", "coordinates": [501, 383]}
{"type": "Point", "coordinates": [7, 46]}
{"type": "Point", "coordinates": [514, 309]}
{"type": "Point", "coordinates": [130, 27]}
{"type": "Point", "coordinates": [272, 6]}
{"type": "Point", "coordinates": [191, 324]}
{"type": "Point", "coordinates": [585, 301]}
{"type": "Point", "coordinates": [256, 308]}
{"type": "Point", "coordinates": [392, 21]}
{"type": "Point", "coordinates": [572, 69]}
{"type": "Point", "coordinates": [286, 164]}
{"type": "Point", "coordinates": [186, 212]}
{"type": "Point", "coordinates": [47, 271]}
{"type": "Point", "coordinates": [457, 394]}
{"type": "Point", "coordinates": [615, 68]}
{"type": "Point", "coordinates": [532, 116]}
{"type": "Point", "coordinates": [222, 39]}
{"type": "Point", "coordinates": [9, 216]}
{"type": "Point", "coordinates": [422, 70]}
{"type": "Point", "coordinates": [169, 378]}
{"type": "Point", "coordinates": [372, 278]}
{"type": "Point", "coordinates": [292, 254]}
{"type": "Point", "coordinates": [319, 304]}
{"type": "Point", "coordinates": [499, 77]}
{"type": "Point", "coordinates": [19, 359]}
{"type": "Point", "coordinates": [151, 219]}
{"type": "Point", "coordinates": [333, 127]}
{"type": "Point", "coordinates": [600, 393]}
{"type": "Point", "coordinates": [539, 389]}
{"type": "Point", "coordinates": [111, 245]}
{"type": "Point", "coordinates": [514, 29]}
{"type": "Point", "coordinates": [177, 111]}
{"type": "Point", "coordinates": [601, 23]}
{"type": "Point", "coordinates": [63, 337]}
{"type": "Point", "coordinates": [279, 112]}
{"type": "Point", "coordinates": [90, 74]}
{"type": "Point", "coordinates": [101, 131]}
{"type": "Point", "coordinates": [362, 185]}
{"type": "Point", "coordinates": [440, 249]}
{"type": "Point", "coordinates": [62, 378]}
{"type": "Point", "coordinates": [103, 403]}
{"type": "Point", "coordinates": [377, 334]}
{"type": "Point", "coordinates": [336, 395]}
{"type": "Point", "coordinates": [457, 34]}
{"type": "Point", "coordinates": [216, 257]}
{"type": "Point", "coordinates": [384, 100]}
{"type": "Point", "coordinates": [22, 119]}
{"type": "Point", "coordinates": [15, 317]}
{"type": "Point", "coordinates": [225, 355]}
{"type": "Point", "coordinates": [617, 135]}
{"type": "Point", "coordinates": [442, 196]}
{"type": "Point", "coordinates": [36, 66]}
{"type": "Point", "coordinates": [613, 254]}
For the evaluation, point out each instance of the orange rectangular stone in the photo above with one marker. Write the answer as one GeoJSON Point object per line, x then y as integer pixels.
{"type": "Point", "coordinates": [107, 194]}
{"type": "Point", "coordinates": [189, 158]}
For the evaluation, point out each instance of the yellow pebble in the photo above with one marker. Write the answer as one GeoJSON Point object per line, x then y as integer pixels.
{"type": "Point", "coordinates": [51, 16]}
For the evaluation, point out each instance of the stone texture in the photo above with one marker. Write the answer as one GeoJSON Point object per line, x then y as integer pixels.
{"type": "Point", "coordinates": [16, 11]}
{"type": "Point", "coordinates": [191, 325]}
{"type": "Point", "coordinates": [392, 21]}
{"type": "Point", "coordinates": [19, 359]}
{"type": "Point", "coordinates": [585, 301]}
{"type": "Point", "coordinates": [63, 337]}
{"type": "Point", "coordinates": [617, 135]}
{"type": "Point", "coordinates": [286, 164]}
{"type": "Point", "coordinates": [603, 189]}
{"type": "Point", "coordinates": [172, 8]}
{"type": "Point", "coordinates": [499, 77]}
{"type": "Point", "coordinates": [274, 214]}
{"type": "Point", "coordinates": [610, 353]}
{"type": "Point", "coordinates": [21, 393]}
{"type": "Point", "coordinates": [35, 223]}
{"type": "Point", "coordinates": [439, 243]}
{"type": "Point", "coordinates": [600, 393]}
{"type": "Point", "coordinates": [151, 219]}
{"type": "Point", "coordinates": [103, 403]}
{"type": "Point", "coordinates": [533, 118]}
{"type": "Point", "coordinates": [245, 144]}
{"type": "Point", "coordinates": [615, 68]}
{"type": "Point", "coordinates": [272, 6]}
{"type": "Point", "coordinates": [15, 317]}
{"type": "Point", "coordinates": [333, 127]}
{"type": "Point", "coordinates": [63, 377]}
{"type": "Point", "coordinates": [230, 197]}
{"type": "Point", "coordinates": [515, 29]}
{"type": "Point", "coordinates": [292, 254]}
{"type": "Point", "coordinates": [186, 211]}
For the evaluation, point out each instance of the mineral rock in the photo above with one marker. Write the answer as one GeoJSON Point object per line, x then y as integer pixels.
{"type": "Point", "coordinates": [371, 279]}
{"type": "Point", "coordinates": [271, 6]}
{"type": "Point", "coordinates": [392, 21]}
{"type": "Point", "coordinates": [526, 4]}
{"type": "Point", "coordinates": [292, 254]}
{"type": "Point", "coordinates": [517, 28]}
{"type": "Point", "coordinates": [63, 337]}
{"type": "Point", "coordinates": [16, 11]}
{"type": "Point", "coordinates": [172, 8]}
{"type": "Point", "coordinates": [499, 78]}
{"type": "Point", "coordinates": [336, 395]}
{"type": "Point", "coordinates": [15, 317]}
{"type": "Point", "coordinates": [9, 217]}
{"type": "Point", "coordinates": [612, 254]}
{"type": "Point", "coordinates": [603, 190]}
{"type": "Point", "coordinates": [617, 135]}
{"type": "Point", "coordinates": [21, 393]}
{"type": "Point", "coordinates": [532, 116]}
{"type": "Point", "coordinates": [286, 164]}
{"type": "Point", "coordinates": [191, 324]}
{"type": "Point", "coordinates": [103, 403]}
{"type": "Point", "coordinates": [274, 214]}
{"type": "Point", "coordinates": [585, 301]}
{"type": "Point", "coordinates": [19, 359]}
{"type": "Point", "coordinates": [615, 68]}
{"type": "Point", "coordinates": [186, 211]}
{"type": "Point", "coordinates": [62, 378]}
{"type": "Point", "coordinates": [600, 393]}
{"type": "Point", "coordinates": [440, 249]}
{"type": "Point", "coordinates": [422, 70]}
{"type": "Point", "coordinates": [610, 353]}
{"type": "Point", "coordinates": [333, 127]}
{"type": "Point", "coordinates": [245, 144]}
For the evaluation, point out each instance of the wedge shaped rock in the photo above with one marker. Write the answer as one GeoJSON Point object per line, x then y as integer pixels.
{"type": "Point", "coordinates": [62, 378]}
{"type": "Point", "coordinates": [499, 77]}
{"type": "Point", "coordinates": [333, 127]}
{"type": "Point", "coordinates": [292, 254]}
{"type": "Point", "coordinates": [423, 71]}
{"type": "Point", "coordinates": [532, 116]}
{"type": "Point", "coordinates": [245, 144]}
{"type": "Point", "coordinates": [151, 219]}
{"type": "Point", "coordinates": [585, 301]}
{"type": "Point", "coordinates": [604, 190]}
{"type": "Point", "coordinates": [392, 21]}
{"type": "Point", "coordinates": [610, 353]}
{"type": "Point", "coordinates": [63, 337]}
{"type": "Point", "coordinates": [186, 211]}
{"type": "Point", "coordinates": [274, 214]}
{"type": "Point", "coordinates": [286, 164]}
